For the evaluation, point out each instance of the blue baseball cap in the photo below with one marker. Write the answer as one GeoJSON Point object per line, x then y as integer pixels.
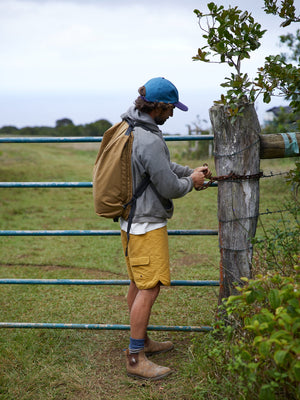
{"type": "Point", "coordinates": [162, 90]}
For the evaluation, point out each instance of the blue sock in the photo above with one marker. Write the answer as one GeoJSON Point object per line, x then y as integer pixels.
{"type": "Point", "coordinates": [136, 345]}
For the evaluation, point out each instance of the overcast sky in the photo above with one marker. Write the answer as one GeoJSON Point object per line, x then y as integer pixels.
{"type": "Point", "coordinates": [85, 60]}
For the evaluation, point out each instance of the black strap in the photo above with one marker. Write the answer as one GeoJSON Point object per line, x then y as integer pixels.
{"type": "Point", "coordinates": [129, 129]}
{"type": "Point", "coordinates": [139, 191]}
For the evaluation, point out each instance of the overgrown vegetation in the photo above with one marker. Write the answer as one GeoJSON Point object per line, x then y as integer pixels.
{"type": "Point", "coordinates": [254, 352]}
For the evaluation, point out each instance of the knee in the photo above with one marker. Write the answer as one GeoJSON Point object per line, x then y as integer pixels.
{"type": "Point", "coordinates": [154, 292]}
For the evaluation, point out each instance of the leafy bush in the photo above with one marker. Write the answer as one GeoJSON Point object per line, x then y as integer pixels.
{"type": "Point", "coordinates": [264, 332]}
{"type": "Point", "coordinates": [266, 336]}
{"type": "Point", "coordinates": [254, 351]}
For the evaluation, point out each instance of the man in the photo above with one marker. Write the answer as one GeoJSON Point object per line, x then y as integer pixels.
{"type": "Point", "coordinates": [147, 253]}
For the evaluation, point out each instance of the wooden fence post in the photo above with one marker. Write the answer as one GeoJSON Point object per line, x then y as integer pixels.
{"type": "Point", "coordinates": [236, 148]}
{"type": "Point", "coordinates": [279, 145]}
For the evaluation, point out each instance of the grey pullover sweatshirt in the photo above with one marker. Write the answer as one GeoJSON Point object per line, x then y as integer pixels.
{"type": "Point", "coordinates": [150, 154]}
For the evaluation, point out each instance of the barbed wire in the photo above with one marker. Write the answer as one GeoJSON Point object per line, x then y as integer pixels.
{"type": "Point", "coordinates": [232, 177]}
{"type": "Point", "coordinates": [267, 212]}
{"type": "Point", "coordinates": [216, 155]}
{"type": "Point", "coordinates": [271, 174]}
{"type": "Point", "coordinates": [237, 178]}
{"type": "Point", "coordinates": [250, 238]}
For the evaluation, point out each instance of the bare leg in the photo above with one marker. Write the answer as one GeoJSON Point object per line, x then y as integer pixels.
{"type": "Point", "coordinates": [132, 292]}
{"type": "Point", "coordinates": [140, 303]}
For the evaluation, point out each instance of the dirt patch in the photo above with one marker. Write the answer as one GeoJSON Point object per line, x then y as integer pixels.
{"type": "Point", "coordinates": [95, 272]}
{"type": "Point", "coordinates": [109, 378]}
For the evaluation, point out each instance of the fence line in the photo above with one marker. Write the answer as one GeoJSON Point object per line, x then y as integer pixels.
{"type": "Point", "coordinates": [118, 327]}
{"type": "Point", "coordinates": [53, 184]}
{"type": "Point", "coordinates": [178, 232]}
{"type": "Point", "coordinates": [189, 283]}
{"type": "Point", "coordinates": [86, 139]}
{"type": "Point", "coordinates": [90, 184]}
{"type": "Point", "coordinates": [95, 282]}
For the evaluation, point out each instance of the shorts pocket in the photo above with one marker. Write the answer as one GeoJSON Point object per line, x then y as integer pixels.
{"type": "Point", "coordinates": [139, 261]}
{"type": "Point", "coordinates": [140, 268]}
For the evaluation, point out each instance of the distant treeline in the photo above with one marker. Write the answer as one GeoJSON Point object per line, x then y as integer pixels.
{"type": "Point", "coordinates": [63, 127]}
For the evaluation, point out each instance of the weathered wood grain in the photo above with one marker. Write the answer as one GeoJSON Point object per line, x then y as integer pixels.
{"type": "Point", "coordinates": [272, 146]}
{"type": "Point", "coordinates": [236, 147]}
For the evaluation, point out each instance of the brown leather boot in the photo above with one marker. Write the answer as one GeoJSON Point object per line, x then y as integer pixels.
{"type": "Point", "coordinates": [138, 366]}
{"type": "Point", "coordinates": [153, 347]}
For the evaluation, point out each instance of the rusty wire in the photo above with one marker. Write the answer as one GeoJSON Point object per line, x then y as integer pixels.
{"type": "Point", "coordinates": [230, 178]}
{"type": "Point", "coordinates": [235, 177]}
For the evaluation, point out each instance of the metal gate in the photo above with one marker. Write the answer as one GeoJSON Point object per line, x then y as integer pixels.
{"type": "Point", "coordinates": [63, 282]}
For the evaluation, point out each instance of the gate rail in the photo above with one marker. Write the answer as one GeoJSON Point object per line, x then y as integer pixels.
{"type": "Point", "coordinates": [197, 283]}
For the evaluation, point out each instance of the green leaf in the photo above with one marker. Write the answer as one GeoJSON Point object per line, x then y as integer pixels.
{"type": "Point", "coordinates": [295, 303]}
{"type": "Point", "coordinates": [292, 311]}
{"type": "Point", "coordinates": [246, 356]}
{"type": "Point", "coordinates": [280, 356]}
{"type": "Point", "coordinates": [296, 326]}
{"type": "Point", "coordinates": [257, 339]}
{"type": "Point", "coordinates": [274, 298]}
{"type": "Point", "coordinates": [251, 296]}
{"type": "Point", "coordinates": [281, 334]}
{"type": "Point", "coordinates": [264, 348]}
{"type": "Point", "coordinates": [296, 371]}
{"type": "Point", "coordinates": [286, 318]}
{"type": "Point", "coordinates": [286, 23]}
{"type": "Point", "coordinates": [266, 393]}
{"type": "Point", "coordinates": [211, 6]}
{"type": "Point", "coordinates": [267, 97]}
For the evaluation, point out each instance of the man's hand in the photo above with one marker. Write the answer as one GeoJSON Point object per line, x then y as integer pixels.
{"type": "Point", "coordinates": [198, 179]}
{"type": "Point", "coordinates": [205, 170]}
{"type": "Point", "coordinates": [199, 175]}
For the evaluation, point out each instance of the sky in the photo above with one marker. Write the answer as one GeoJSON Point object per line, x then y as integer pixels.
{"type": "Point", "coordinates": [86, 59]}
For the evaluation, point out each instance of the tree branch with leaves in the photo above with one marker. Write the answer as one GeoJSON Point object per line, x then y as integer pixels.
{"type": "Point", "coordinates": [231, 35]}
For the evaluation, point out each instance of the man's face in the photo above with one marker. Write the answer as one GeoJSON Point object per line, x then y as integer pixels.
{"type": "Point", "coordinates": [162, 115]}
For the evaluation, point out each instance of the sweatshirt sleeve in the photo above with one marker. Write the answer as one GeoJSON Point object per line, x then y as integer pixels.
{"type": "Point", "coordinates": [181, 170]}
{"type": "Point", "coordinates": [171, 180]}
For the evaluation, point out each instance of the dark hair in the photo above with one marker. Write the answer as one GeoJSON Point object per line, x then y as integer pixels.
{"type": "Point", "coordinates": [148, 106]}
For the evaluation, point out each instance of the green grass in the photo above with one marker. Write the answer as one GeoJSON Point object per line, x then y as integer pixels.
{"type": "Point", "coordinates": [66, 364]}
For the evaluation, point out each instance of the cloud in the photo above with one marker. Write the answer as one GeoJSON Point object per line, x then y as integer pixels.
{"type": "Point", "coordinates": [70, 43]}
{"type": "Point", "coordinates": [77, 50]}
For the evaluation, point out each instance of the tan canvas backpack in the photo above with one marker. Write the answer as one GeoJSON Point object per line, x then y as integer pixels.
{"type": "Point", "coordinates": [112, 177]}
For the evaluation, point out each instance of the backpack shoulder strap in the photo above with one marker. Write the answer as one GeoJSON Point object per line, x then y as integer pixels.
{"type": "Point", "coordinates": [139, 191]}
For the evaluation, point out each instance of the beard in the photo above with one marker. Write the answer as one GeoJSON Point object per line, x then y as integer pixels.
{"type": "Point", "coordinates": [160, 120]}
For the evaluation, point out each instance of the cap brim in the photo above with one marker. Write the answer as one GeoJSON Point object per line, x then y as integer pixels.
{"type": "Point", "coordinates": [181, 106]}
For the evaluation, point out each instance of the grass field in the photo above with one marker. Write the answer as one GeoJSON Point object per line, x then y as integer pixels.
{"type": "Point", "coordinates": [67, 364]}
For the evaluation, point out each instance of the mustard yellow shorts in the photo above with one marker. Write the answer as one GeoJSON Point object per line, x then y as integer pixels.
{"type": "Point", "coordinates": [148, 258]}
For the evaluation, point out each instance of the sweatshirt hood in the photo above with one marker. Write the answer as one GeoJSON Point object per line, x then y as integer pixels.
{"type": "Point", "coordinates": [135, 116]}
